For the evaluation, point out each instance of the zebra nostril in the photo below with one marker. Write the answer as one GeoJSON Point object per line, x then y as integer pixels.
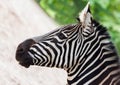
{"type": "Point", "coordinates": [23, 48]}
{"type": "Point", "coordinates": [20, 50]}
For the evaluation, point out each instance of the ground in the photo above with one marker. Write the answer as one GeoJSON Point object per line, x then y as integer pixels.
{"type": "Point", "coordinates": [19, 20]}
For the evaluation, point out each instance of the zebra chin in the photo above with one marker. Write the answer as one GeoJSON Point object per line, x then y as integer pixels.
{"type": "Point", "coordinates": [25, 60]}
{"type": "Point", "coordinates": [22, 55]}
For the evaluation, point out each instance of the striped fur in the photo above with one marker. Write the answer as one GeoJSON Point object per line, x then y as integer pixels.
{"type": "Point", "coordinates": [84, 50]}
{"type": "Point", "coordinates": [88, 59]}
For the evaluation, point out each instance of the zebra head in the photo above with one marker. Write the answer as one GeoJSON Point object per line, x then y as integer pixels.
{"type": "Point", "coordinates": [58, 48]}
{"type": "Point", "coordinates": [84, 50]}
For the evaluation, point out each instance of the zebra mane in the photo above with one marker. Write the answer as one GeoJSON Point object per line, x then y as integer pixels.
{"type": "Point", "coordinates": [103, 30]}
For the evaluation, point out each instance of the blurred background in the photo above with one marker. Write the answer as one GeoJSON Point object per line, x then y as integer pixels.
{"type": "Point", "coordinates": [22, 19]}
{"type": "Point", "coordinates": [107, 12]}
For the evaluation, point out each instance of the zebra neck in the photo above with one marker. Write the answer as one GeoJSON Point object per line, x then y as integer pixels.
{"type": "Point", "coordinates": [101, 63]}
{"type": "Point", "coordinates": [100, 74]}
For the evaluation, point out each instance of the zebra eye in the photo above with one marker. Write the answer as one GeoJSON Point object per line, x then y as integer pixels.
{"type": "Point", "coordinates": [61, 36]}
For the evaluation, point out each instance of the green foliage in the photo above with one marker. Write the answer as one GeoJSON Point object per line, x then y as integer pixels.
{"type": "Point", "coordinates": [63, 11]}
{"type": "Point", "coordinates": [107, 12]}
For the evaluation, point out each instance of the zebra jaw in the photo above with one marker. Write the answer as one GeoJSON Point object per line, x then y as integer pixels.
{"type": "Point", "coordinates": [85, 16]}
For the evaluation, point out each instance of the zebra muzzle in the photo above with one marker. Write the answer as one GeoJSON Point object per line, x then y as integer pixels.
{"type": "Point", "coordinates": [22, 55]}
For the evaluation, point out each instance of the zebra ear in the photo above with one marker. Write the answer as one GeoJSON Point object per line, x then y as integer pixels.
{"type": "Point", "coordinates": [85, 16]}
{"type": "Point", "coordinates": [85, 19]}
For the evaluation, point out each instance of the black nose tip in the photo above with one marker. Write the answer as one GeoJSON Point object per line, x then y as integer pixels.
{"type": "Point", "coordinates": [23, 48]}
{"type": "Point", "coordinates": [20, 49]}
{"type": "Point", "coordinates": [20, 52]}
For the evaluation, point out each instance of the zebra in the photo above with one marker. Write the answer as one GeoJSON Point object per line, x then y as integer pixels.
{"type": "Point", "coordinates": [84, 50]}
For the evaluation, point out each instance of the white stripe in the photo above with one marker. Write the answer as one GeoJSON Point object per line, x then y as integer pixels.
{"type": "Point", "coordinates": [34, 59]}
{"type": "Point", "coordinates": [116, 83]}
{"type": "Point", "coordinates": [112, 73]}
{"type": "Point", "coordinates": [108, 59]}
{"type": "Point", "coordinates": [114, 79]}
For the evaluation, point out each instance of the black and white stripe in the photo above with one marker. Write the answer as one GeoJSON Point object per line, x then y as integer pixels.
{"type": "Point", "coordinates": [84, 50]}
{"type": "Point", "coordinates": [88, 60]}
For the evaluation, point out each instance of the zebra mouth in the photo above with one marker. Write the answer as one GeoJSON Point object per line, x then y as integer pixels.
{"type": "Point", "coordinates": [25, 64]}
{"type": "Point", "coordinates": [25, 60]}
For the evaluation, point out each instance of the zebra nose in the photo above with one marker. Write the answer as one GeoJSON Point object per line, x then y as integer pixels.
{"type": "Point", "coordinates": [20, 49]}
{"type": "Point", "coordinates": [23, 48]}
{"type": "Point", "coordinates": [20, 52]}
